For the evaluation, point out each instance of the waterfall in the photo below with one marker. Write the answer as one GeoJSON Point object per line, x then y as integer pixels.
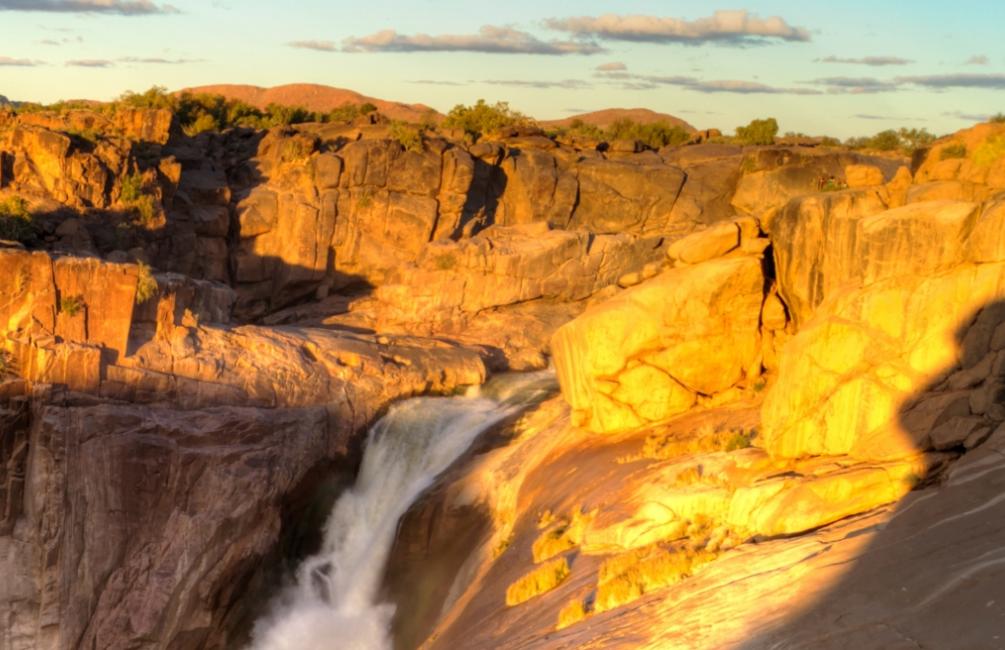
{"type": "Point", "coordinates": [333, 604]}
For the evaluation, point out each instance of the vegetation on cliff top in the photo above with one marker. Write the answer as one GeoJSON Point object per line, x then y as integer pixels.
{"type": "Point", "coordinates": [200, 112]}
{"type": "Point", "coordinates": [654, 134]}
{"type": "Point", "coordinates": [483, 118]}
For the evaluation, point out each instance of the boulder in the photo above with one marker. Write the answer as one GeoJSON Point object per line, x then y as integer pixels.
{"type": "Point", "coordinates": [647, 353]}
{"type": "Point", "coordinates": [863, 176]}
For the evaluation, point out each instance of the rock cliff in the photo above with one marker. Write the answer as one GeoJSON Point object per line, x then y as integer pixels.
{"type": "Point", "coordinates": [761, 350]}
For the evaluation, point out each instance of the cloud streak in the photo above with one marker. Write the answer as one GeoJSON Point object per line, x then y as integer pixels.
{"type": "Point", "coordinates": [723, 27]}
{"type": "Point", "coordinates": [320, 46]}
{"type": "Point", "coordinates": [857, 85]}
{"type": "Point", "coordinates": [7, 61]}
{"type": "Point", "coordinates": [154, 60]}
{"type": "Point", "coordinates": [120, 7]}
{"type": "Point", "coordinates": [489, 39]}
{"type": "Point", "coordinates": [978, 59]}
{"type": "Point", "coordinates": [90, 63]}
{"type": "Point", "coordinates": [627, 81]}
{"type": "Point", "coordinates": [875, 61]}
{"type": "Point", "coordinates": [566, 84]}
{"type": "Point", "coordinates": [944, 81]}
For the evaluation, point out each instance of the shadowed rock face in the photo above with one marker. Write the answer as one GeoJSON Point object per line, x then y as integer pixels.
{"type": "Point", "coordinates": [159, 454]}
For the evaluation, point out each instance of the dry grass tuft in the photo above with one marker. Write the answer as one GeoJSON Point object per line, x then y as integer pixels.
{"type": "Point", "coordinates": [565, 534]}
{"type": "Point", "coordinates": [628, 576]}
{"type": "Point", "coordinates": [539, 581]}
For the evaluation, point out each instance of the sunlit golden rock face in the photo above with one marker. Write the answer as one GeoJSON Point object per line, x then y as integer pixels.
{"type": "Point", "coordinates": [863, 175]}
{"type": "Point", "coordinates": [647, 353]}
{"type": "Point", "coordinates": [882, 303]}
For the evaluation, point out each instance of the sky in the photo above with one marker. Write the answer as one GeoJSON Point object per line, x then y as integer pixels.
{"type": "Point", "coordinates": [837, 68]}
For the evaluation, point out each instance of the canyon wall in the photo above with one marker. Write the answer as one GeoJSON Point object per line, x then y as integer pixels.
{"type": "Point", "coordinates": [198, 329]}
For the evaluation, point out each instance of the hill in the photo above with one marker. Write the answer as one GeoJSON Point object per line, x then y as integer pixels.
{"type": "Point", "coordinates": [604, 118]}
{"type": "Point", "coordinates": [315, 97]}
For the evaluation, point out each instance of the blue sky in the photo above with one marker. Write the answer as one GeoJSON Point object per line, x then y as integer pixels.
{"type": "Point", "coordinates": [845, 68]}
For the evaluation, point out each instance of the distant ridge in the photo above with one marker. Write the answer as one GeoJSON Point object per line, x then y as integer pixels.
{"type": "Point", "coordinates": [604, 118]}
{"type": "Point", "coordinates": [315, 97]}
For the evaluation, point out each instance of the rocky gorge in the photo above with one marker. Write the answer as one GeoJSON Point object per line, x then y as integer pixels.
{"type": "Point", "coordinates": [781, 371]}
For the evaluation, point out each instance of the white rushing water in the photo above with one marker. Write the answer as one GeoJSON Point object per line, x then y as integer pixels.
{"type": "Point", "coordinates": [333, 604]}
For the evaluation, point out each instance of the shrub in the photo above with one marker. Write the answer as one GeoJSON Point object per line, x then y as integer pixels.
{"type": "Point", "coordinates": [344, 113]}
{"type": "Point", "coordinates": [566, 535]}
{"type": "Point", "coordinates": [156, 97]}
{"type": "Point", "coordinates": [132, 188]}
{"type": "Point", "coordinates": [541, 580]}
{"type": "Point", "coordinates": [15, 220]}
{"type": "Point", "coordinates": [903, 140]}
{"type": "Point", "coordinates": [483, 118]}
{"type": "Point", "coordinates": [367, 108]}
{"type": "Point", "coordinates": [740, 440]}
{"type": "Point", "coordinates": [145, 209]}
{"type": "Point", "coordinates": [997, 118]}
{"type": "Point", "coordinates": [830, 184]}
{"type": "Point", "coordinates": [655, 134]}
{"type": "Point", "coordinates": [884, 141]}
{"type": "Point", "coordinates": [957, 150]}
{"type": "Point", "coordinates": [71, 305]}
{"type": "Point", "coordinates": [758, 132]}
{"type": "Point", "coordinates": [146, 284]}
{"type": "Point", "coordinates": [913, 139]}
{"type": "Point", "coordinates": [408, 136]}
{"type": "Point", "coordinates": [627, 577]}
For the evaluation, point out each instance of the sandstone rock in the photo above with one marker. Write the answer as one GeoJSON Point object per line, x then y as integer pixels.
{"type": "Point", "coordinates": [883, 345]}
{"type": "Point", "coordinates": [694, 328]}
{"type": "Point", "coordinates": [863, 176]}
{"type": "Point", "coordinates": [617, 196]}
{"type": "Point", "coordinates": [705, 244]}
{"type": "Point", "coordinates": [782, 175]}
{"type": "Point", "coordinates": [536, 190]}
{"type": "Point", "coordinates": [824, 244]}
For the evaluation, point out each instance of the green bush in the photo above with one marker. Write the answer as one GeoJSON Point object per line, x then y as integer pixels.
{"type": "Point", "coordinates": [997, 118]}
{"type": "Point", "coordinates": [344, 113]}
{"type": "Point", "coordinates": [958, 150]}
{"type": "Point", "coordinates": [408, 136]}
{"type": "Point", "coordinates": [906, 141]}
{"type": "Point", "coordinates": [132, 188]}
{"type": "Point", "coordinates": [156, 97]}
{"type": "Point", "coordinates": [367, 108]}
{"type": "Point", "coordinates": [758, 132]}
{"type": "Point", "coordinates": [655, 134]}
{"type": "Point", "coordinates": [145, 209]}
{"type": "Point", "coordinates": [15, 220]}
{"type": "Point", "coordinates": [146, 284]}
{"type": "Point", "coordinates": [71, 305]}
{"type": "Point", "coordinates": [483, 118]}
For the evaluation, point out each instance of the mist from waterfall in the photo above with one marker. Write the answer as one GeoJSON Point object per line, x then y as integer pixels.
{"type": "Point", "coordinates": [334, 601]}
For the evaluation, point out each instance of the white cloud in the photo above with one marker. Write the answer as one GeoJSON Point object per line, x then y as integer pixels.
{"type": "Point", "coordinates": [875, 61]}
{"type": "Point", "coordinates": [737, 27]}
{"type": "Point", "coordinates": [489, 39]}
{"type": "Point", "coordinates": [121, 7]}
